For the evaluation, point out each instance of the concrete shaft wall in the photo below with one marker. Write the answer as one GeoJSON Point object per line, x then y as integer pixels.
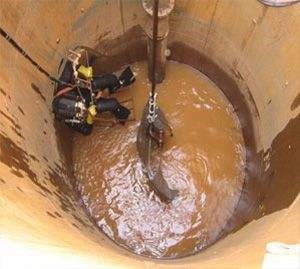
{"type": "Point", "coordinates": [257, 46]}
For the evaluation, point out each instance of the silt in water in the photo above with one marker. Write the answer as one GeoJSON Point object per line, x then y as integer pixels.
{"type": "Point", "coordinates": [204, 160]}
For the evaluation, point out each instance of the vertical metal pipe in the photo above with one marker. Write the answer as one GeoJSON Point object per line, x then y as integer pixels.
{"type": "Point", "coordinates": [164, 9]}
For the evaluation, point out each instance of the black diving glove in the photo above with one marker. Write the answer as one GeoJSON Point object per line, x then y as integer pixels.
{"type": "Point", "coordinates": [127, 77]}
{"type": "Point", "coordinates": [112, 105]}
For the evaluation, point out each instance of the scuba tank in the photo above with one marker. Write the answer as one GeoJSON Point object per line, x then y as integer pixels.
{"type": "Point", "coordinates": [66, 108]}
{"type": "Point", "coordinates": [74, 114]}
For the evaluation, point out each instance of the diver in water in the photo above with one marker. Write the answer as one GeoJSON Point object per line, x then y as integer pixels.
{"type": "Point", "coordinates": [77, 98]}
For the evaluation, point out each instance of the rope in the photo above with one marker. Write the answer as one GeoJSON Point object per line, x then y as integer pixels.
{"type": "Point", "coordinates": [23, 52]}
{"type": "Point", "coordinates": [8, 38]}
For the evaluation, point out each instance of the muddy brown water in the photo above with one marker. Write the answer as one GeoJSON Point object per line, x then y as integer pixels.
{"type": "Point", "coordinates": [205, 161]}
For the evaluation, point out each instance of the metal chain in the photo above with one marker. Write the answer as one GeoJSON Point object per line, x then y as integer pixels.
{"type": "Point", "coordinates": [152, 115]}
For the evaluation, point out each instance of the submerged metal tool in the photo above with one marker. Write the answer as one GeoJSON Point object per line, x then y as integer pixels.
{"type": "Point", "coordinates": [152, 131]}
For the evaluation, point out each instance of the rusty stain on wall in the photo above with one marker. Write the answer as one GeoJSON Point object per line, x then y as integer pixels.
{"type": "Point", "coordinates": [283, 173]}
{"type": "Point", "coordinates": [15, 158]}
{"type": "Point", "coordinates": [38, 91]}
{"type": "Point", "coordinates": [296, 102]}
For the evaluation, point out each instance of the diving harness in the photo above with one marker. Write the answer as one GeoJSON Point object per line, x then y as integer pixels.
{"type": "Point", "coordinates": [82, 79]}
